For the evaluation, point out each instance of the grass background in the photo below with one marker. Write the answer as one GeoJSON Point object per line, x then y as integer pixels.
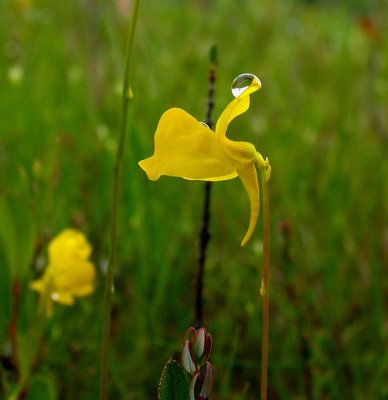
{"type": "Point", "coordinates": [321, 118]}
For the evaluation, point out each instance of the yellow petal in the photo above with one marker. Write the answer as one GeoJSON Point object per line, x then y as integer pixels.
{"type": "Point", "coordinates": [68, 245]}
{"type": "Point", "coordinates": [83, 290]}
{"type": "Point", "coordinates": [186, 148]}
{"type": "Point", "coordinates": [37, 285]}
{"type": "Point", "coordinates": [248, 176]}
{"type": "Point", "coordinates": [236, 107]}
{"type": "Point", "coordinates": [65, 298]}
{"type": "Point", "coordinates": [76, 274]}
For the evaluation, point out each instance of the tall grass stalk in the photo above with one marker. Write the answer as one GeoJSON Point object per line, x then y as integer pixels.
{"type": "Point", "coordinates": [107, 301]}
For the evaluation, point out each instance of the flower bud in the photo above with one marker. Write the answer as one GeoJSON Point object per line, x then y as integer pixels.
{"type": "Point", "coordinates": [190, 333]}
{"type": "Point", "coordinates": [193, 390]}
{"type": "Point", "coordinates": [202, 383]}
{"type": "Point", "coordinates": [202, 345]}
{"type": "Point", "coordinates": [207, 379]}
{"type": "Point", "coordinates": [188, 361]}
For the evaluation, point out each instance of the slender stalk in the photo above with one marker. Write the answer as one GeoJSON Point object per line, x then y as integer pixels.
{"type": "Point", "coordinates": [107, 301]}
{"type": "Point", "coordinates": [264, 291]}
{"type": "Point", "coordinates": [204, 235]}
{"type": "Point", "coordinates": [13, 323]}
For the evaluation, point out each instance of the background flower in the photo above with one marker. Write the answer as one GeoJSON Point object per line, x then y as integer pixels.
{"type": "Point", "coordinates": [69, 272]}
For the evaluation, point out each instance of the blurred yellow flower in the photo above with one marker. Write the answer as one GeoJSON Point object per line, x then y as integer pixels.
{"type": "Point", "coordinates": [69, 272]}
{"type": "Point", "coordinates": [186, 148]}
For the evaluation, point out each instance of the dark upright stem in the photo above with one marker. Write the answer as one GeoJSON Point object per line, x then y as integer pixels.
{"type": "Point", "coordinates": [204, 234]}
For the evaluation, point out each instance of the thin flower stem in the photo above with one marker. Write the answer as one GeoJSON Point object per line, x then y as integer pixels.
{"type": "Point", "coordinates": [107, 301]}
{"type": "Point", "coordinates": [204, 235]}
{"type": "Point", "coordinates": [264, 291]}
{"type": "Point", "coordinates": [16, 288]}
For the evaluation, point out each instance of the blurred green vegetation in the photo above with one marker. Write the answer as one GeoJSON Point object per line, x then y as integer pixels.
{"type": "Point", "coordinates": [321, 118]}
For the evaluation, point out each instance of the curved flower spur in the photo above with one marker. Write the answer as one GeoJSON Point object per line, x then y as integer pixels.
{"type": "Point", "coordinates": [187, 148]}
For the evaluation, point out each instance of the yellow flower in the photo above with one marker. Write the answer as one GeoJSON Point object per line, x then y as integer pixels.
{"type": "Point", "coordinates": [69, 272]}
{"type": "Point", "coordinates": [188, 149]}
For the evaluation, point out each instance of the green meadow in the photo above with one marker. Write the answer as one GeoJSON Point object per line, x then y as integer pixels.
{"type": "Point", "coordinates": [321, 118]}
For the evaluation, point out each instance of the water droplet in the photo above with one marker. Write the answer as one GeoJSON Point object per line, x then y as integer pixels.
{"type": "Point", "coordinates": [205, 124]}
{"type": "Point", "coordinates": [242, 82]}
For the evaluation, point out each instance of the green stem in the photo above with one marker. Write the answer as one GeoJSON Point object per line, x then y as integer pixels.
{"type": "Point", "coordinates": [264, 291]}
{"type": "Point", "coordinates": [107, 301]}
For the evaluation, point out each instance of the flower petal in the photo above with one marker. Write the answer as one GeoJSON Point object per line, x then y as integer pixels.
{"type": "Point", "coordinates": [69, 245]}
{"type": "Point", "coordinates": [78, 273]}
{"type": "Point", "coordinates": [248, 176]}
{"type": "Point", "coordinates": [37, 285]}
{"type": "Point", "coordinates": [186, 148]}
{"type": "Point", "coordinates": [63, 297]}
{"type": "Point", "coordinates": [236, 107]}
{"type": "Point", "coordinates": [82, 290]}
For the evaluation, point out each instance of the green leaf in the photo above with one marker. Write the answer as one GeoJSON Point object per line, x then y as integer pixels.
{"type": "Point", "coordinates": [174, 383]}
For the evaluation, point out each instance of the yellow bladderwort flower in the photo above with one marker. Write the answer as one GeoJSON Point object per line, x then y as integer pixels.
{"type": "Point", "coordinates": [69, 272]}
{"type": "Point", "coordinates": [186, 148]}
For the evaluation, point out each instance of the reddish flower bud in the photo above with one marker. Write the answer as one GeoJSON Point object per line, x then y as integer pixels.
{"type": "Point", "coordinates": [202, 345]}
{"type": "Point", "coordinates": [207, 380]}
{"type": "Point", "coordinates": [193, 390]}
{"type": "Point", "coordinates": [201, 385]}
{"type": "Point", "coordinates": [190, 333]}
{"type": "Point", "coordinates": [188, 361]}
